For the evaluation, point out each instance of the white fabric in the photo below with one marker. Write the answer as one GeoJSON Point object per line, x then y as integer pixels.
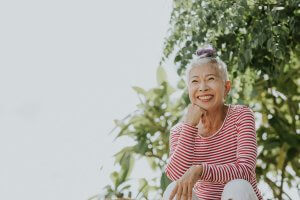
{"type": "Point", "coordinates": [237, 189]}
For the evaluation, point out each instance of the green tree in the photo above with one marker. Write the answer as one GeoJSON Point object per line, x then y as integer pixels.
{"type": "Point", "coordinates": [259, 41]}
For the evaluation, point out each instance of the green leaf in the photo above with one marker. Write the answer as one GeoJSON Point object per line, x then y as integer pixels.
{"type": "Point", "coordinates": [181, 84]}
{"type": "Point", "coordinates": [270, 43]}
{"type": "Point", "coordinates": [282, 155]}
{"type": "Point", "coordinates": [142, 186]}
{"type": "Point", "coordinates": [118, 122]}
{"type": "Point", "coordinates": [152, 163]}
{"type": "Point", "coordinates": [170, 90]}
{"type": "Point", "coordinates": [125, 187]}
{"type": "Point", "coordinates": [164, 181]}
{"type": "Point", "coordinates": [139, 90]}
{"type": "Point", "coordinates": [119, 156]}
{"type": "Point", "coordinates": [124, 173]}
{"type": "Point", "coordinates": [161, 75]}
{"type": "Point", "coordinates": [177, 58]}
{"type": "Point", "coordinates": [114, 177]}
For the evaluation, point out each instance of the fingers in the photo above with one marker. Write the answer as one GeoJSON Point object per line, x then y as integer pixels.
{"type": "Point", "coordinates": [199, 107]}
{"type": "Point", "coordinates": [202, 110]}
{"type": "Point", "coordinates": [182, 191]}
{"type": "Point", "coordinates": [184, 194]}
{"type": "Point", "coordinates": [190, 191]}
{"type": "Point", "coordinates": [173, 192]}
{"type": "Point", "coordinates": [179, 192]}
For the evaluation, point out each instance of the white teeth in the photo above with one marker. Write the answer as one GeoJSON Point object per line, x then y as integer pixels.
{"type": "Point", "coordinates": [205, 97]}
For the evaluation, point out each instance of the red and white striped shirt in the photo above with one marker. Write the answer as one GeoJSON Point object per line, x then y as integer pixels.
{"type": "Point", "coordinates": [228, 154]}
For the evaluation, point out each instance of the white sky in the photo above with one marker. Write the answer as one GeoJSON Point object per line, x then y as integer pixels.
{"type": "Point", "coordinates": [66, 72]}
{"type": "Point", "coordinates": [67, 68]}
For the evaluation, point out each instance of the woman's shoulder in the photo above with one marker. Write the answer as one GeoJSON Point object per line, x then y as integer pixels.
{"type": "Point", "coordinates": [240, 113]}
{"type": "Point", "coordinates": [176, 128]}
{"type": "Point", "coordinates": [240, 109]}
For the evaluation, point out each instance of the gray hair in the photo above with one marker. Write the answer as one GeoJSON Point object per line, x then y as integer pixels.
{"type": "Point", "coordinates": [219, 65]}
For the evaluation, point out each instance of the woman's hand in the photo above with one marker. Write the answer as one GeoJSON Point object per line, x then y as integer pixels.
{"type": "Point", "coordinates": [204, 126]}
{"type": "Point", "coordinates": [194, 114]}
{"type": "Point", "coordinates": [184, 185]}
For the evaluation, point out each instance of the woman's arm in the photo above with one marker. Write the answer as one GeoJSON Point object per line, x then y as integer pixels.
{"type": "Point", "coordinates": [182, 143]}
{"type": "Point", "coordinates": [244, 167]}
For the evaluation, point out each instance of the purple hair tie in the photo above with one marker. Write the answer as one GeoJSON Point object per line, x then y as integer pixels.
{"type": "Point", "coordinates": [206, 52]}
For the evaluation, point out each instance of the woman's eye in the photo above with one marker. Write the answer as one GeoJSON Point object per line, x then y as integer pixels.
{"type": "Point", "coordinates": [194, 81]}
{"type": "Point", "coordinates": [211, 78]}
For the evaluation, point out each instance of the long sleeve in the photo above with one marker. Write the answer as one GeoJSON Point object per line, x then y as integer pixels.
{"type": "Point", "coordinates": [244, 167]}
{"type": "Point", "coordinates": [182, 144]}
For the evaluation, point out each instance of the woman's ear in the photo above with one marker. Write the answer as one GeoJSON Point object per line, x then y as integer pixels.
{"type": "Point", "coordinates": [227, 88]}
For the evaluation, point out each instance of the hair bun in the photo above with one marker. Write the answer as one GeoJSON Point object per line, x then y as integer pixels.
{"type": "Point", "coordinates": [207, 51]}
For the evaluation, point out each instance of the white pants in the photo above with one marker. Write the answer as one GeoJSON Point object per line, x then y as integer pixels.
{"type": "Point", "coordinates": [238, 189]}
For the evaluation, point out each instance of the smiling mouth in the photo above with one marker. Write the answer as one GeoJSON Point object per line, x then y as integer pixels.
{"type": "Point", "coordinates": [205, 98]}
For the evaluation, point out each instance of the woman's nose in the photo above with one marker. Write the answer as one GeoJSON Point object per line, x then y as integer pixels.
{"type": "Point", "coordinates": [202, 87]}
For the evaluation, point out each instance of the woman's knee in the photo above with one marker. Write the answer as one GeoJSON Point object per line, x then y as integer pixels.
{"type": "Point", "coordinates": [238, 189]}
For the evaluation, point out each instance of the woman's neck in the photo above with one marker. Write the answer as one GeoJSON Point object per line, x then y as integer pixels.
{"type": "Point", "coordinates": [213, 120]}
{"type": "Point", "coordinates": [217, 116]}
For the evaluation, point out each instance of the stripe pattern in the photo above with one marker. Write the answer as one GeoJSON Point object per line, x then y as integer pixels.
{"type": "Point", "coordinates": [228, 154]}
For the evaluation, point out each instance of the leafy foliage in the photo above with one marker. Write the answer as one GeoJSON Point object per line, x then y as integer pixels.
{"type": "Point", "coordinates": [149, 127]}
{"type": "Point", "coordinates": [259, 41]}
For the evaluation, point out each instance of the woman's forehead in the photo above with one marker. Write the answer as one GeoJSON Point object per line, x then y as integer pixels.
{"type": "Point", "coordinates": [204, 70]}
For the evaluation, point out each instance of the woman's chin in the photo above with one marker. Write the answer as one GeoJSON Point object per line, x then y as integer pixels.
{"type": "Point", "coordinates": [209, 105]}
{"type": "Point", "coordinates": [206, 105]}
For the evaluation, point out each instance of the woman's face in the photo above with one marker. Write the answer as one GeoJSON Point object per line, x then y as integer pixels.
{"type": "Point", "coordinates": [206, 86]}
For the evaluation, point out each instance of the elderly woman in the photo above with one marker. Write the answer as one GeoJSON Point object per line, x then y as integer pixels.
{"type": "Point", "coordinates": [213, 150]}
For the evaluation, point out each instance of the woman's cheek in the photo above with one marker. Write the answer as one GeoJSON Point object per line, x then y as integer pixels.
{"type": "Point", "coordinates": [191, 93]}
{"type": "Point", "coordinates": [191, 96]}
